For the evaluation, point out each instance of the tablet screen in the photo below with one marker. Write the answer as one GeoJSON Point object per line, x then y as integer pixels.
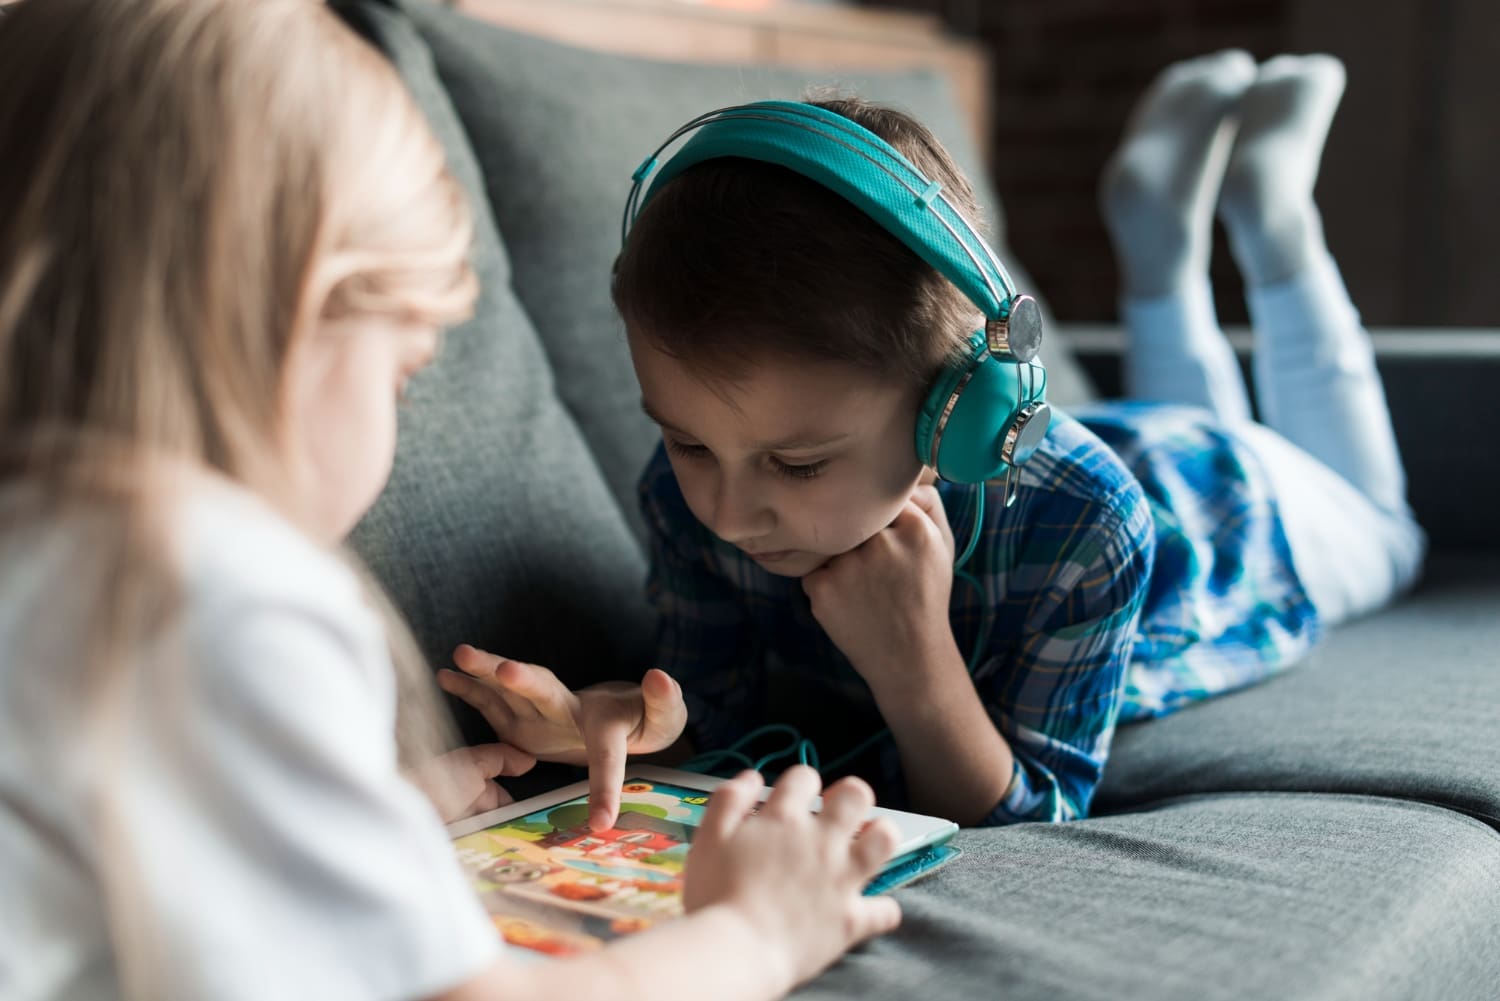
{"type": "Point", "coordinates": [553, 884]}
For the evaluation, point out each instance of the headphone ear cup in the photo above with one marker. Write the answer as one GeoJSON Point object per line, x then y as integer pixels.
{"type": "Point", "coordinates": [969, 444]}
{"type": "Point", "coordinates": [948, 382]}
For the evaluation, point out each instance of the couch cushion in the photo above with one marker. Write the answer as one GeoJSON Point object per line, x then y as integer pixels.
{"type": "Point", "coordinates": [497, 528]}
{"type": "Point", "coordinates": [558, 132]}
{"type": "Point", "coordinates": [1405, 703]}
{"type": "Point", "coordinates": [1241, 896]}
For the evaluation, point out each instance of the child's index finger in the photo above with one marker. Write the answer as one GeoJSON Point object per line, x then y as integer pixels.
{"type": "Point", "coordinates": [605, 746]}
{"type": "Point", "coordinates": [604, 806]}
{"type": "Point", "coordinates": [601, 816]}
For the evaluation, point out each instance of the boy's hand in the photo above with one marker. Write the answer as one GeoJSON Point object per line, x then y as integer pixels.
{"type": "Point", "coordinates": [793, 876]}
{"type": "Point", "coordinates": [885, 603]}
{"type": "Point", "coordinates": [458, 783]}
{"type": "Point", "coordinates": [598, 726]}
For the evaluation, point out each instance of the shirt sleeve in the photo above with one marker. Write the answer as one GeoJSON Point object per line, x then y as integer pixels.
{"type": "Point", "coordinates": [256, 838]}
{"type": "Point", "coordinates": [1054, 693]}
{"type": "Point", "coordinates": [704, 638]}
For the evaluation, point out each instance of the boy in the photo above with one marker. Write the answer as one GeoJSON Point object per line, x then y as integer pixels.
{"type": "Point", "coordinates": [803, 556]}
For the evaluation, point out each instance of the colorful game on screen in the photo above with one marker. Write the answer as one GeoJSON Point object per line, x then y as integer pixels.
{"type": "Point", "coordinates": [553, 884]}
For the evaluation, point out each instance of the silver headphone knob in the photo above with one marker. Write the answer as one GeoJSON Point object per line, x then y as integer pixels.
{"type": "Point", "coordinates": [1019, 335]}
{"type": "Point", "coordinates": [1025, 433]}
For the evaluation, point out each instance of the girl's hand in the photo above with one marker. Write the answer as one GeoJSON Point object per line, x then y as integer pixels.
{"type": "Point", "coordinates": [458, 783]}
{"type": "Point", "coordinates": [598, 726]}
{"type": "Point", "coordinates": [885, 603]}
{"type": "Point", "coordinates": [793, 876]}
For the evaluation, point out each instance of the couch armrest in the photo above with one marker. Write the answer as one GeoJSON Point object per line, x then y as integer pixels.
{"type": "Point", "coordinates": [1444, 392]}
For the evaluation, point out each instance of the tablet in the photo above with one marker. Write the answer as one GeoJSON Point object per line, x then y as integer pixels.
{"type": "Point", "coordinates": [555, 886]}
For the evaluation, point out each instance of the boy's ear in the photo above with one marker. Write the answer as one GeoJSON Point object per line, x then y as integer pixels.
{"type": "Point", "coordinates": [928, 478]}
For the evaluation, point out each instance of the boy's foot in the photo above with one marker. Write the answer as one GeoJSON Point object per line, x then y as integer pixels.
{"type": "Point", "coordinates": [1157, 193]}
{"type": "Point", "coordinates": [1267, 199]}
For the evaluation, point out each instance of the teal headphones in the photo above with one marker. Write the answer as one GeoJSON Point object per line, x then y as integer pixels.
{"type": "Point", "coordinates": [985, 415]}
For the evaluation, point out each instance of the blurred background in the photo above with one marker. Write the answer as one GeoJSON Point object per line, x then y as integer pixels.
{"type": "Point", "coordinates": [1405, 189]}
{"type": "Point", "coordinates": [1407, 186]}
{"type": "Point", "coordinates": [1407, 182]}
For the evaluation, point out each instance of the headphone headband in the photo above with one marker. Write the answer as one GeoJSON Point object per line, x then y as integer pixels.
{"type": "Point", "coordinates": [980, 419]}
{"type": "Point", "coordinates": [857, 165]}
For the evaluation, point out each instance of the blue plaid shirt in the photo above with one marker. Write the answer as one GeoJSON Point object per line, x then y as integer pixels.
{"type": "Point", "coordinates": [1078, 627]}
{"type": "Point", "coordinates": [1226, 608]}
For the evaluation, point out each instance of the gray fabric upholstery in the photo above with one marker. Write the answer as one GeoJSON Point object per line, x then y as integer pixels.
{"type": "Point", "coordinates": [497, 528]}
{"type": "Point", "coordinates": [1405, 703]}
{"type": "Point", "coordinates": [1236, 897]}
{"type": "Point", "coordinates": [558, 132]}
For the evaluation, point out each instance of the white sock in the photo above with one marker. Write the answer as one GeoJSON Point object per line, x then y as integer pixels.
{"type": "Point", "coordinates": [1267, 197]}
{"type": "Point", "coordinates": [1158, 190]}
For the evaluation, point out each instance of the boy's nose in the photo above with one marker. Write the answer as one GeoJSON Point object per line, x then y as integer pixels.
{"type": "Point", "coordinates": [739, 513]}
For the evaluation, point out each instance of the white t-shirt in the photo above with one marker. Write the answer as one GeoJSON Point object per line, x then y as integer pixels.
{"type": "Point", "coordinates": [263, 843]}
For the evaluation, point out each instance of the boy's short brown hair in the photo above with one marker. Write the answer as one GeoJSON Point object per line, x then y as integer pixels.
{"type": "Point", "coordinates": [735, 259]}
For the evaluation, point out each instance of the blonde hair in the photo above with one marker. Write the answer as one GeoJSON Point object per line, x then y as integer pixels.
{"type": "Point", "coordinates": [187, 188]}
{"type": "Point", "coordinates": [189, 185]}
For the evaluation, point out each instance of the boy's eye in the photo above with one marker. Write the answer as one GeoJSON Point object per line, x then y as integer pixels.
{"type": "Point", "coordinates": [799, 471]}
{"type": "Point", "coordinates": [685, 450]}
{"type": "Point", "coordinates": [805, 471]}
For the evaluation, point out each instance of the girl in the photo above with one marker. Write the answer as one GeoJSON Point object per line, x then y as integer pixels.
{"type": "Point", "coordinates": [227, 239]}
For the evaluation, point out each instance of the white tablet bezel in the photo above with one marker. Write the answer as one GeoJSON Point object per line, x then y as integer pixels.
{"type": "Point", "coordinates": [916, 831]}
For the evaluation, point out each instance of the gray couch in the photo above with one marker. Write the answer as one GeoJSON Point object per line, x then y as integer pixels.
{"type": "Point", "coordinates": [1331, 834]}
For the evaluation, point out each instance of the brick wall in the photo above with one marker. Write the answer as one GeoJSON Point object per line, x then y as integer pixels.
{"type": "Point", "coordinates": [1408, 188]}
